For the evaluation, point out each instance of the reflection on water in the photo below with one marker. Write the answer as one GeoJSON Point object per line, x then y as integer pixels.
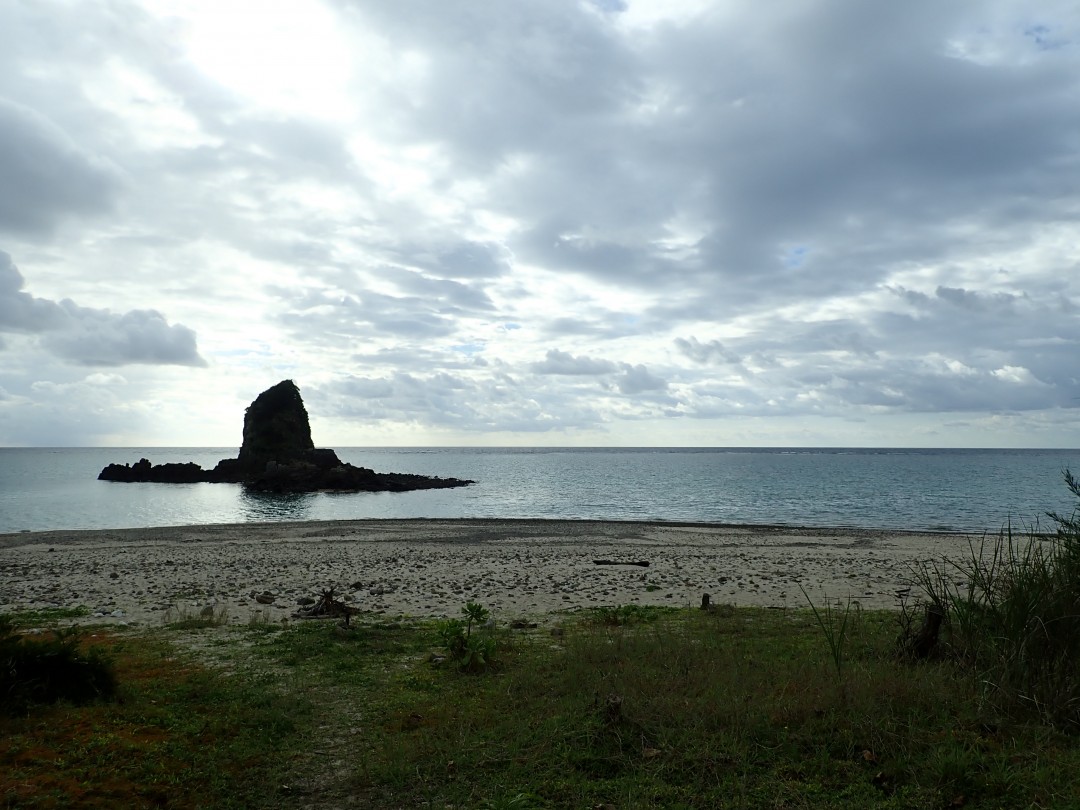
{"type": "Point", "coordinates": [266, 506]}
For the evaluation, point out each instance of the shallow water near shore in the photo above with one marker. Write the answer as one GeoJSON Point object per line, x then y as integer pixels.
{"type": "Point", "coordinates": [951, 490]}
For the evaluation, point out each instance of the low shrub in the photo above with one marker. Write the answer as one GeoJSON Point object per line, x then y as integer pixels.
{"type": "Point", "coordinates": [50, 668]}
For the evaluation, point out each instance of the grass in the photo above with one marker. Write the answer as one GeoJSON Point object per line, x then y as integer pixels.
{"type": "Point", "coordinates": [51, 616]}
{"type": "Point", "coordinates": [179, 735]}
{"type": "Point", "coordinates": [180, 617]}
{"type": "Point", "coordinates": [685, 709]}
{"type": "Point", "coordinates": [1013, 618]}
{"type": "Point", "coordinates": [673, 708]}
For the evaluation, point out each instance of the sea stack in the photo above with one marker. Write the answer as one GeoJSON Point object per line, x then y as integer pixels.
{"type": "Point", "coordinates": [276, 427]}
{"type": "Point", "coordinates": [278, 455]}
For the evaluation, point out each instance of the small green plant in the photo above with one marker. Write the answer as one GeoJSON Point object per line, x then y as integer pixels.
{"type": "Point", "coordinates": [451, 633]}
{"type": "Point", "coordinates": [833, 621]}
{"type": "Point", "coordinates": [50, 668]}
{"type": "Point", "coordinates": [473, 651]}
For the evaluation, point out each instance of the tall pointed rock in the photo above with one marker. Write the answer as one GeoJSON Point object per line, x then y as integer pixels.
{"type": "Point", "coordinates": [276, 427]}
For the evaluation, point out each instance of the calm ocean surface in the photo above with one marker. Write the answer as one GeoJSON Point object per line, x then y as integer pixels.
{"type": "Point", "coordinates": [56, 488]}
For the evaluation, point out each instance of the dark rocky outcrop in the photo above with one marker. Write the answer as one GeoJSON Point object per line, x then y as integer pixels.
{"type": "Point", "coordinates": [276, 428]}
{"type": "Point", "coordinates": [143, 470]}
{"type": "Point", "coordinates": [278, 455]}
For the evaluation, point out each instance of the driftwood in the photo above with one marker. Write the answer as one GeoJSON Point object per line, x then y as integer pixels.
{"type": "Point", "coordinates": [328, 607]}
{"type": "Point", "coordinates": [924, 643]}
{"type": "Point", "coordinates": [641, 563]}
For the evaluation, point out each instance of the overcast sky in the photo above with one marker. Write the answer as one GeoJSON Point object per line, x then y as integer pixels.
{"type": "Point", "coordinates": [601, 222]}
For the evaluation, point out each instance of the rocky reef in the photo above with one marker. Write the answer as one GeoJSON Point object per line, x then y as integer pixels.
{"type": "Point", "coordinates": [278, 455]}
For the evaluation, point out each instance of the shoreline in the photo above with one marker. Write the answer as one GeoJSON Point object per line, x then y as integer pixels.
{"type": "Point", "coordinates": [430, 567]}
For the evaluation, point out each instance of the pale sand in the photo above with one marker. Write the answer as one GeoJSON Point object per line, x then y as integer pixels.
{"type": "Point", "coordinates": [518, 568]}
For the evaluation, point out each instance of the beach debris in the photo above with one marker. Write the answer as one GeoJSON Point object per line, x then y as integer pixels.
{"type": "Point", "coordinates": [639, 563]}
{"type": "Point", "coordinates": [328, 606]}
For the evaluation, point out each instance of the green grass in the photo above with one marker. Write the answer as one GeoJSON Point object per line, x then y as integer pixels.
{"type": "Point", "coordinates": [49, 616]}
{"type": "Point", "coordinates": [178, 735]}
{"type": "Point", "coordinates": [628, 707]}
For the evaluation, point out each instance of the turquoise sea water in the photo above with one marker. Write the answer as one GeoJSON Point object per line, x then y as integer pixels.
{"type": "Point", "coordinates": [56, 488]}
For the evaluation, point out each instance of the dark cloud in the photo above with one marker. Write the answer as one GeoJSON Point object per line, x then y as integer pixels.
{"type": "Point", "coordinates": [20, 311]}
{"type": "Point", "coordinates": [496, 403]}
{"type": "Point", "coordinates": [560, 362]}
{"type": "Point", "coordinates": [45, 176]}
{"type": "Point", "coordinates": [637, 379]}
{"type": "Point", "coordinates": [93, 337]}
{"type": "Point", "coordinates": [97, 337]}
{"type": "Point", "coordinates": [711, 352]}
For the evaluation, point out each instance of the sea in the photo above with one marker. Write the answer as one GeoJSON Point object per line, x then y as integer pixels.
{"type": "Point", "coordinates": [921, 489]}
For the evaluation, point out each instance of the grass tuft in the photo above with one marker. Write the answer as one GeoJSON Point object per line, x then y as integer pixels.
{"type": "Point", "coordinates": [180, 617]}
{"type": "Point", "coordinates": [1012, 614]}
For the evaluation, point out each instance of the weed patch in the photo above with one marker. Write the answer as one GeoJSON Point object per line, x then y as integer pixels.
{"type": "Point", "coordinates": [1011, 612]}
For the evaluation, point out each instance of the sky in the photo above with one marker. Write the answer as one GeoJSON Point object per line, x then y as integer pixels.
{"type": "Point", "coordinates": [559, 223]}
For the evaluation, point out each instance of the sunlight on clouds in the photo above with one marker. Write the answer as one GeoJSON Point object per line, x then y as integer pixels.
{"type": "Point", "coordinates": [413, 175]}
{"type": "Point", "coordinates": [288, 55]}
{"type": "Point", "coordinates": [155, 117]}
{"type": "Point", "coordinates": [1017, 375]}
{"type": "Point", "coordinates": [309, 197]}
{"type": "Point", "coordinates": [647, 14]}
{"type": "Point", "coordinates": [495, 226]}
{"type": "Point", "coordinates": [685, 232]}
{"type": "Point", "coordinates": [398, 171]}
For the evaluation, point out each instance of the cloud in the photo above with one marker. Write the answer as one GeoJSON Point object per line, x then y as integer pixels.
{"type": "Point", "coordinates": [20, 311]}
{"type": "Point", "coordinates": [560, 362]}
{"type": "Point", "coordinates": [96, 337]}
{"type": "Point", "coordinates": [492, 404]}
{"type": "Point", "coordinates": [45, 176]}
{"type": "Point", "coordinates": [637, 379]}
{"type": "Point", "coordinates": [93, 337]}
{"type": "Point", "coordinates": [712, 352]}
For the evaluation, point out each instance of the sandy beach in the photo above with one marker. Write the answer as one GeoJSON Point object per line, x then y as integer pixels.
{"type": "Point", "coordinates": [518, 568]}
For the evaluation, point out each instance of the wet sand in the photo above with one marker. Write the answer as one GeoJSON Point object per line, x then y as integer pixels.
{"type": "Point", "coordinates": [518, 568]}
